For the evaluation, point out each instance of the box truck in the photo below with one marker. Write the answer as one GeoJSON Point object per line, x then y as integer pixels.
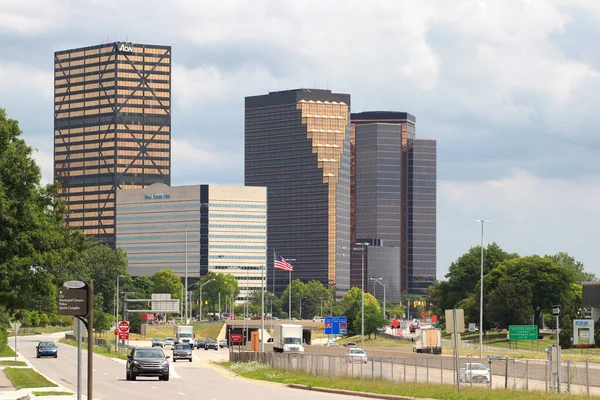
{"type": "Point", "coordinates": [184, 335]}
{"type": "Point", "coordinates": [287, 338]}
{"type": "Point", "coordinates": [428, 341]}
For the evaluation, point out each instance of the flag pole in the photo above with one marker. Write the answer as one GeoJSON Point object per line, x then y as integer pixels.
{"type": "Point", "coordinates": [290, 300]}
{"type": "Point", "coordinates": [273, 274]}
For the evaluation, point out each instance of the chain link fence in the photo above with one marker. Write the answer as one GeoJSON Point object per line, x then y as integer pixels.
{"type": "Point", "coordinates": [509, 373]}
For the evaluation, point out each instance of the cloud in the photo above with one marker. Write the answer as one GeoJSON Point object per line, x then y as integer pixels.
{"type": "Point", "coordinates": [529, 214]}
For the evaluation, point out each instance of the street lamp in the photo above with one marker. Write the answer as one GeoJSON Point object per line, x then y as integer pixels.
{"type": "Point", "coordinates": [302, 298]}
{"type": "Point", "coordinates": [379, 280]}
{"type": "Point", "coordinates": [321, 298]}
{"type": "Point", "coordinates": [117, 304]}
{"type": "Point", "coordinates": [186, 274]}
{"type": "Point", "coordinates": [201, 286]}
{"type": "Point", "coordinates": [482, 221]}
{"type": "Point", "coordinates": [362, 306]}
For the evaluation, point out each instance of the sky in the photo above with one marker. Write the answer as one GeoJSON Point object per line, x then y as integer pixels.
{"type": "Point", "coordinates": [508, 88]}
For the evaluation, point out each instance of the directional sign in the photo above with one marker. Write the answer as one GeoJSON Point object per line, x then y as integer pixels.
{"type": "Point", "coordinates": [522, 332]}
{"type": "Point", "coordinates": [124, 326]}
{"type": "Point", "coordinates": [236, 337]}
{"type": "Point", "coordinates": [336, 326]}
{"type": "Point", "coordinates": [72, 302]}
{"type": "Point", "coordinates": [555, 310]}
{"type": "Point", "coordinates": [343, 325]}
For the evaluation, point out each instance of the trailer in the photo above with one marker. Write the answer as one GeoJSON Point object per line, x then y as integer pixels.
{"type": "Point", "coordinates": [428, 340]}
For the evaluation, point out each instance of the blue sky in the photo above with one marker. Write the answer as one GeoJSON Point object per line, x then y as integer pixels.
{"type": "Point", "coordinates": [508, 88]}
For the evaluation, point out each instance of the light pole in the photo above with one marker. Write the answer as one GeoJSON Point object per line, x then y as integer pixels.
{"type": "Point", "coordinates": [362, 285]}
{"type": "Point", "coordinates": [482, 221]}
{"type": "Point", "coordinates": [201, 301]}
{"type": "Point", "coordinates": [117, 307]}
{"type": "Point", "coordinates": [301, 298]}
{"type": "Point", "coordinates": [186, 275]}
{"type": "Point", "coordinates": [263, 283]}
{"type": "Point", "coordinates": [379, 280]}
{"type": "Point", "coordinates": [321, 298]}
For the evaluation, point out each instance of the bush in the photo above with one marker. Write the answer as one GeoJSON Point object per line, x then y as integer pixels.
{"type": "Point", "coordinates": [44, 320]}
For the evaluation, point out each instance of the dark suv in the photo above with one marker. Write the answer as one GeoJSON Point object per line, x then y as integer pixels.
{"type": "Point", "coordinates": [211, 344]}
{"type": "Point", "coordinates": [147, 361]}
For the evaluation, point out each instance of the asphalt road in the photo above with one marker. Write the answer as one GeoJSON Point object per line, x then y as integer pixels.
{"type": "Point", "coordinates": [196, 379]}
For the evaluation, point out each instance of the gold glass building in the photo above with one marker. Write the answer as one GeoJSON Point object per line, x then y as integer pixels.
{"type": "Point", "coordinates": [112, 128]}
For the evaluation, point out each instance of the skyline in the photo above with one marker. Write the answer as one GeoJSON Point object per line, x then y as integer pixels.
{"type": "Point", "coordinates": [508, 95]}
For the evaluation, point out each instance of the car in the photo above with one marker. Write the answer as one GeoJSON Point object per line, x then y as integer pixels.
{"type": "Point", "coordinates": [494, 357]}
{"type": "Point", "coordinates": [332, 344]}
{"type": "Point", "coordinates": [356, 354]}
{"type": "Point", "coordinates": [412, 329]}
{"type": "Point", "coordinates": [46, 349]}
{"type": "Point", "coordinates": [223, 343]}
{"type": "Point", "coordinates": [147, 361]}
{"type": "Point", "coordinates": [168, 342]}
{"type": "Point", "coordinates": [156, 342]}
{"type": "Point", "coordinates": [200, 343]}
{"type": "Point", "coordinates": [474, 372]}
{"type": "Point", "coordinates": [182, 351]}
{"type": "Point", "coordinates": [318, 319]}
{"type": "Point", "coordinates": [350, 344]}
{"type": "Point", "coordinates": [211, 344]}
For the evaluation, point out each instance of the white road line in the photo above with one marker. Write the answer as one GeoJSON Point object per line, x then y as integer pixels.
{"type": "Point", "coordinates": [153, 387]}
{"type": "Point", "coordinates": [172, 372]}
{"type": "Point", "coordinates": [105, 373]}
{"type": "Point", "coordinates": [196, 357]}
{"type": "Point", "coordinates": [181, 393]}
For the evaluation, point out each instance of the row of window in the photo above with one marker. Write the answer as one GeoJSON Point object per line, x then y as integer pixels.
{"type": "Point", "coordinates": [191, 256]}
{"type": "Point", "coordinates": [182, 225]}
{"type": "Point", "coordinates": [180, 237]}
{"type": "Point", "coordinates": [150, 217]}
{"type": "Point", "coordinates": [182, 246]}
{"type": "Point", "coordinates": [170, 206]}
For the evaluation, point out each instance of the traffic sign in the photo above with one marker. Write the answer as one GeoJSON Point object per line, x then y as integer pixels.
{"type": "Point", "coordinates": [15, 326]}
{"type": "Point", "coordinates": [555, 310]}
{"type": "Point", "coordinates": [72, 302]}
{"type": "Point", "coordinates": [336, 326]}
{"type": "Point", "coordinates": [236, 337]}
{"type": "Point", "coordinates": [124, 327]}
{"type": "Point", "coordinates": [423, 314]}
{"type": "Point", "coordinates": [522, 332]}
{"type": "Point", "coordinates": [123, 335]}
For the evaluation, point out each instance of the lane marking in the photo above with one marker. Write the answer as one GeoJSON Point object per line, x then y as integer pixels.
{"type": "Point", "coordinates": [172, 372]}
{"type": "Point", "coordinates": [181, 393]}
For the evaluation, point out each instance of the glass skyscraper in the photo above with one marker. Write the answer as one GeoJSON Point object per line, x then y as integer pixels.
{"type": "Point", "coordinates": [297, 144]}
{"type": "Point", "coordinates": [112, 128]}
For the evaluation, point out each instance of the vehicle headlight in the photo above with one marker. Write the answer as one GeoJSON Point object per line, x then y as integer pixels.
{"type": "Point", "coordinates": [136, 363]}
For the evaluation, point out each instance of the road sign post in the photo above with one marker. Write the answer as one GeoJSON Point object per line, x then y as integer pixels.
{"type": "Point", "coordinates": [522, 332]}
{"type": "Point", "coordinates": [15, 327]}
{"type": "Point", "coordinates": [556, 313]}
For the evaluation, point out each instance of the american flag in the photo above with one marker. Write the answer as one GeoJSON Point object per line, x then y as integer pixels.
{"type": "Point", "coordinates": [280, 263]}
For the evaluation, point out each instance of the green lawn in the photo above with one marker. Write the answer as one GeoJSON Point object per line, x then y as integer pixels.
{"type": "Point", "coordinates": [254, 370]}
{"type": "Point", "coordinates": [57, 393]}
{"type": "Point", "coordinates": [7, 352]}
{"type": "Point", "coordinates": [203, 330]}
{"type": "Point", "coordinates": [42, 330]}
{"type": "Point", "coordinates": [26, 378]}
{"type": "Point", "coordinates": [13, 364]}
{"type": "Point", "coordinates": [379, 341]}
{"type": "Point", "coordinates": [122, 354]}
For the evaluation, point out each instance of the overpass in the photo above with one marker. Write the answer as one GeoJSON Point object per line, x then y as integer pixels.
{"type": "Point", "coordinates": [246, 327]}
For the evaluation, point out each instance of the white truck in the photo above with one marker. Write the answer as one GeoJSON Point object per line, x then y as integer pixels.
{"type": "Point", "coordinates": [287, 338]}
{"type": "Point", "coordinates": [184, 335]}
{"type": "Point", "coordinates": [428, 341]}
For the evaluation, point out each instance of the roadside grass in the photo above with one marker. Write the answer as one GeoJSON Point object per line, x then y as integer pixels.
{"type": "Point", "coordinates": [7, 363]}
{"type": "Point", "coordinates": [42, 330]}
{"type": "Point", "coordinates": [122, 354]}
{"type": "Point", "coordinates": [57, 393]}
{"type": "Point", "coordinates": [379, 341]}
{"type": "Point", "coordinates": [255, 370]}
{"type": "Point", "coordinates": [7, 352]}
{"type": "Point", "coordinates": [26, 378]}
{"type": "Point", "coordinates": [203, 330]}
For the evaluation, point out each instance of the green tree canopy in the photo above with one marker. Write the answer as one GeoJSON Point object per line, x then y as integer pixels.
{"type": "Point", "coordinates": [510, 304]}
{"type": "Point", "coordinates": [165, 281]}
{"type": "Point", "coordinates": [220, 285]}
{"type": "Point", "coordinates": [577, 267]}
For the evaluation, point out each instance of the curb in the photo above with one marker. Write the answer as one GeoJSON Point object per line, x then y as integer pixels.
{"type": "Point", "coordinates": [353, 393]}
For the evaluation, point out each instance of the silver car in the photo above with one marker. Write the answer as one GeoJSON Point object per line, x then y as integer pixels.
{"type": "Point", "coordinates": [474, 372]}
{"type": "Point", "coordinates": [356, 354]}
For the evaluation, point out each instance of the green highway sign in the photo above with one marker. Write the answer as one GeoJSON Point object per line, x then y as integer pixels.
{"type": "Point", "coordinates": [522, 332]}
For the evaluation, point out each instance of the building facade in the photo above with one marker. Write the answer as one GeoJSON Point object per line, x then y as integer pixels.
{"type": "Point", "coordinates": [377, 262]}
{"type": "Point", "coordinates": [112, 128]}
{"type": "Point", "coordinates": [222, 229]}
{"type": "Point", "coordinates": [382, 192]}
{"type": "Point", "coordinates": [297, 144]}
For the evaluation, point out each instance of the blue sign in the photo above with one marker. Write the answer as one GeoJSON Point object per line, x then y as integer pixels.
{"type": "Point", "coordinates": [336, 326]}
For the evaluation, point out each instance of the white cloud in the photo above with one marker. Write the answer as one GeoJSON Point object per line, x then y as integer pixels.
{"type": "Point", "coordinates": [16, 77]}
{"type": "Point", "coordinates": [529, 215]}
{"type": "Point", "coordinates": [45, 160]}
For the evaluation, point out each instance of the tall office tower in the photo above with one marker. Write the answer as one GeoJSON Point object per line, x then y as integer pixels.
{"type": "Point", "coordinates": [383, 193]}
{"type": "Point", "coordinates": [297, 144]}
{"type": "Point", "coordinates": [112, 128]}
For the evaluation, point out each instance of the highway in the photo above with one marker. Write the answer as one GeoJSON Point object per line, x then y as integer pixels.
{"type": "Point", "coordinates": [196, 379]}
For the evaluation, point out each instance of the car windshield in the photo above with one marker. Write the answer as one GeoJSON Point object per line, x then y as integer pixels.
{"type": "Point", "coordinates": [185, 335]}
{"type": "Point", "coordinates": [149, 353]}
{"type": "Point", "coordinates": [157, 340]}
{"type": "Point", "coordinates": [292, 340]}
{"type": "Point", "coordinates": [476, 367]}
{"type": "Point", "coordinates": [47, 344]}
{"type": "Point", "coordinates": [211, 341]}
{"type": "Point", "coordinates": [182, 347]}
{"type": "Point", "coordinates": [356, 351]}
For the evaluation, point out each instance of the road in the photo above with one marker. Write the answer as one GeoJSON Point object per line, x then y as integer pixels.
{"type": "Point", "coordinates": [187, 379]}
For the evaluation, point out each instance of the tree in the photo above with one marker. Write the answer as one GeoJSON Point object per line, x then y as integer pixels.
{"type": "Point", "coordinates": [510, 304]}
{"type": "Point", "coordinates": [577, 267]}
{"type": "Point", "coordinates": [164, 281]}
{"type": "Point", "coordinates": [373, 316]}
{"type": "Point", "coordinates": [350, 306]}
{"type": "Point", "coordinates": [44, 320]}
{"type": "Point", "coordinates": [223, 286]}
{"type": "Point", "coordinates": [143, 285]}
{"type": "Point", "coordinates": [298, 292]}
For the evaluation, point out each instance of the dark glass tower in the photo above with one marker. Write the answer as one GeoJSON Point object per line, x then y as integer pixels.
{"type": "Point", "coordinates": [382, 191]}
{"type": "Point", "coordinates": [112, 128]}
{"type": "Point", "coordinates": [297, 144]}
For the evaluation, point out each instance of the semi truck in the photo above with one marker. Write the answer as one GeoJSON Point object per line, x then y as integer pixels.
{"type": "Point", "coordinates": [184, 335]}
{"type": "Point", "coordinates": [428, 340]}
{"type": "Point", "coordinates": [287, 338]}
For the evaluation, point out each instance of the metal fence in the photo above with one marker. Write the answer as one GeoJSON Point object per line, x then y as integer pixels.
{"type": "Point", "coordinates": [508, 373]}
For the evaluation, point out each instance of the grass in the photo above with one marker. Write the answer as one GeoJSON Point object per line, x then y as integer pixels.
{"type": "Point", "coordinates": [98, 349]}
{"type": "Point", "coordinates": [7, 352]}
{"type": "Point", "coordinates": [203, 330]}
{"type": "Point", "coordinates": [379, 341]}
{"type": "Point", "coordinates": [255, 370]}
{"type": "Point", "coordinates": [13, 364]}
{"type": "Point", "coordinates": [57, 393]}
{"type": "Point", "coordinates": [42, 330]}
{"type": "Point", "coordinates": [26, 378]}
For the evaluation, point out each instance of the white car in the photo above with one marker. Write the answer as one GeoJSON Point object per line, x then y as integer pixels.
{"type": "Point", "coordinates": [318, 319]}
{"type": "Point", "coordinates": [474, 372]}
{"type": "Point", "coordinates": [168, 342]}
{"type": "Point", "coordinates": [356, 354]}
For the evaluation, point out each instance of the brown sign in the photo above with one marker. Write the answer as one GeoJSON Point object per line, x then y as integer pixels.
{"type": "Point", "coordinates": [72, 302]}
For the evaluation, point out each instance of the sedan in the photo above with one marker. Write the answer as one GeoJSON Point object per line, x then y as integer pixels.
{"type": "Point", "coordinates": [474, 372]}
{"type": "Point", "coordinates": [156, 342]}
{"type": "Point", "coordinates": [182, 351]}
{"type": "Point", "coordinates": [200, 343]}
{"type": "Point", "coordinates": [211, 344]}
{"type": "Point", "coordinates": [332, 344]}
{"type": "Point", "coordinates": [223, 343]}
{"type": "Point", "coordinates": [168, 342]}
{"type": "Point", "coordinates": [350, 344]}
{"type": "Point", "coordinates": [356, 354]}
{"type": "Point", "coordinates": [46, 349]}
